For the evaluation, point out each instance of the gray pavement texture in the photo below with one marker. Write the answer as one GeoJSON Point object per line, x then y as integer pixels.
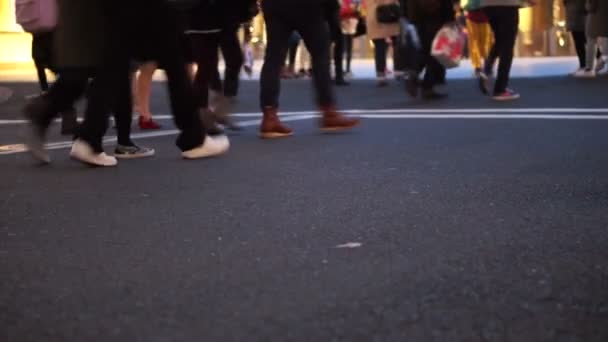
{"type": "Point", "coordinates": [470, 230]}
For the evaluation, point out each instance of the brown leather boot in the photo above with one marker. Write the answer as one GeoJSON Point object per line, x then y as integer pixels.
{"type": "Point", "coordinates": [271, 127]}
{"type": "Point", "coordinates": [332, 121]}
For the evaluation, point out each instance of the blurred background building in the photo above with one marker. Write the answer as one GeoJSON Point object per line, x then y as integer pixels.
{"type": "Point", "coordinates": [542, 33]}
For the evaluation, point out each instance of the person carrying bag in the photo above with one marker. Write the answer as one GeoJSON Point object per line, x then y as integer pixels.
{"type": "Point", "coordinates": [382, 28]}
{"type": "Point", "coordinates": [429, 16]}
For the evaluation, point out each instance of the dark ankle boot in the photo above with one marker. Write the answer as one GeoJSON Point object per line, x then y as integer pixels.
{"type": "Point", "coordinates": [271, 127]}
{"type": "Point", "coordinates": [221, 112]}
{"type": "Point", "coordinates": [209, 123]}
{"type": "Point", "coordinates": [411, 84]}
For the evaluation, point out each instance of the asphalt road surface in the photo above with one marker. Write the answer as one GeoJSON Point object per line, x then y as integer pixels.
{"type": "Point", "coordinates": [460, 220]}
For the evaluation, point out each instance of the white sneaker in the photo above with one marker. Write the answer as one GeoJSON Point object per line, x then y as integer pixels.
{"type": "Point", "coordinates": [584, 73]}
{"type": "Point", "coordinates": [83, 152]}
{"type": "Point", "coordinates": [213, 146]}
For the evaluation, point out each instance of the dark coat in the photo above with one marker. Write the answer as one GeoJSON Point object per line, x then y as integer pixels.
{"type": "Point", "coordinates": [597, 20]}
{"type": "Point", "coordinates": [79, 39]}
{"type": "Point", "coordinates": [575, 15]}
{"type": "Point", "coordinates": [215, 15]}
{"type": "Point", "coordinates": [417, 13]}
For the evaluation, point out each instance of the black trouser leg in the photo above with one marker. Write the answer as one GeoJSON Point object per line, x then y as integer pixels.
{"type": "Point", "coordinates": [216, 83]}
{"type": "Point", "coordinates": [42, 79]}
{"type": "Point", "coordinates": [309, 20]}
{"type": "Point", "coordinates": [433, 74]}
{"type": "Point", "coordinates": [398, 61]}
{"type": "Point", "coordinates": [504, 21]}
{"type": "Point", "coordinates": [69, 87]}
{"type": "Point", "coordinates": [348, 47]}
{"type": "Point", "coordinates": [123, 108]}
{"type": "Point", "coordinates": [233, 57]}
{"type": "Point", "coordinates": [380, 50]}
{"type": "Point", "coordinates": [488, 67]}
{"type": "Point", "coordinates": [337, 38]}
{"type": "Point", "coordinates": [434, 71]}
{"type": "Point", "coordinates": [101, 95]}
{"type": "Point", "coordinates": [294, 43]}
{"type": "Point", "coordinates": [278, 32]}
{"type": "Point", "coordinates": [171, 52]}
{"type": "Point", "coordinates": [181, 93]}
{"type": "Point", "coordinates": [205, 52]}
{"type": "Point", "coordinates": [580, 43]}
{"type": "Point", "coordinates": [315, 34]}
{"type": "Point", "coordinates": [183, 104]}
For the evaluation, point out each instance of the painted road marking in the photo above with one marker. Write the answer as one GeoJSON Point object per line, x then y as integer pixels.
{"type": "Point", "coordinates": [20, 148]}
{"type": "Point", "coordinates": [418, 114]}
{"type": "Point", "coordinates": [487, 116]}
{"type": "Point", "coordinates": [404, 112]}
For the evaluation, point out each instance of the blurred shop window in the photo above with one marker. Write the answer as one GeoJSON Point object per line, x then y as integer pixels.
{"type": "Point", "coordinates": [8, 22]}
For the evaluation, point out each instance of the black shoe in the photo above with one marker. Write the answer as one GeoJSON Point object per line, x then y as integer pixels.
{"type": "Point", "coordinates": [209, 123]}
{"type": "Point", "coordinates": [484, 81]}
{"type": "Point", "coordinates": [221, 112]}
{"type": "Point", "coordinates": [411, 86]}
{"type": "Point", "coordinates": [341, 82]}
{"type": "Point", "coordinates": [132, 151]}
{"type": "Point", "coordinates": [430, 94]}
{"type": "Point", "coordinates": [382, 83]}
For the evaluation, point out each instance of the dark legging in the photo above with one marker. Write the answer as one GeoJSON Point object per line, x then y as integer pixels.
{"type": "Point", "coordinates": [348, 50]}
{"type": "Point", "coordinates": [170, 53]}
{"type": "Point", "coordinates": [580, 43]}
{"type": "Point", "coordinates": [380, 54]}
{"type": "Point", "coordinates": [205, 53]}
{"type": "Point", "coordinates": [504, 21]}
{"type": "Point", "coordinates": [434, 72]}
{"type": "Point", "coordinates": [109, 89]}
{"type": "Point", "coordinates": [308, 18]}
{"type": "Point", "coordinates": [72, 84]}
{"type": "Point", "coordinates": [42, 51]}
{"type": "Point", "coordinates": [292, 50]}
{"type": "Point", "coordinates": [230, 47]}
{"type": "Point", "coordinates": [42, 79]}
{"type": "Point", "coordinates": [337, 37]}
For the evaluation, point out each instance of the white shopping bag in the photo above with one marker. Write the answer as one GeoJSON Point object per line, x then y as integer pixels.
{"type": "Point", "coordinates": [448, 46]}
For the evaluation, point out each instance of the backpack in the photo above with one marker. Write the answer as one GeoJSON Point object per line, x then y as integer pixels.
{"type": "Point", "coordinates": [37, 16]}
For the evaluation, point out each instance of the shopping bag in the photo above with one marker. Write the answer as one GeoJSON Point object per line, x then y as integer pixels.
{"type": "Point", "coordinates": [37, 16]}
{"type": "Point", "coordinates": [448, 45]}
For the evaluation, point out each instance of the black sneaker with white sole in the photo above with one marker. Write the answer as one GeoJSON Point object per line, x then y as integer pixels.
{"type": "Point", "coordinates": [485, 82]}
{"type": "Point", "coordinates": [132, 152]}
